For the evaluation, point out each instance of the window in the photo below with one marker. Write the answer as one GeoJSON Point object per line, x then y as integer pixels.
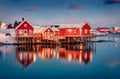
{"type": "Point", "coordinates": [86, 31]}
{"type": "Point", "coordinates": [25, 31]}
{"type": "Point", "coordinates": [69, 30]}
{"type": "Point", "coordinates": [30, 31]}
{"type": "Point", "coordinates": [20, 31]}
{"type": "Point", "coordinates": [75, 31]}
{"type": "Point", "coordinates": [25, 25]}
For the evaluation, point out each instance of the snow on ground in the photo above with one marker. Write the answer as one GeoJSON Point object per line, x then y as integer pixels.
{"type": "Point", "coordinates": [7, 38]}
{"type": "Point", "coordinates": [7, 35]}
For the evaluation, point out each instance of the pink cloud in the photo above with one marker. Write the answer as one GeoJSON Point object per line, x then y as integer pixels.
{"type": "Point", "coordinates": [75, 7]}
{"type": "Point", "coordinates": [33, 9]}
{"type": "Point", "coordinates": [112, 63]}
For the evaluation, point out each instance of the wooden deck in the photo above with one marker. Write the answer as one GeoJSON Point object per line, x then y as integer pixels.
{"type": "Point", "coordinates": [54, 41]}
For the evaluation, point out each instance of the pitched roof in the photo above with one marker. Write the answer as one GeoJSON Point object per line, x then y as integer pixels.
{"type": "Point", "coordinates": [72, 25]}
{"type": "Point", "coordinates": [22, 23]}
{"type": "Point", "coordinates": [44, 29]}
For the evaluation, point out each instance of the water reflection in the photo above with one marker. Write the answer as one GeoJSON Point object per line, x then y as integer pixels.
{"type": "Point", "coordinates": [25, 58]}
{"type": "Point", "coordinates": [46, 53]}
{"type": "Point", "coordinates": [7, 49]}
{"type": "Point", "coordinates": [27, 54]}
{"type": "Point", "coordinates": [80, 55]}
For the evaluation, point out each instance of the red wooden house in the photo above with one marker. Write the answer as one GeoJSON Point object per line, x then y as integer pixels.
{"type": "Point", "coordinates": [103, 29]}
{"type": "Point", "coordinates": [75, 30]}
{"type": "Point", "coordinates": [24, 29]}
{"type": "Point", "coordinates": [46, 33]}
{"type": "Point", "coordinates": [86, 30]}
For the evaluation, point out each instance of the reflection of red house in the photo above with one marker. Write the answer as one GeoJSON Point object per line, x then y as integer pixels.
{"type": "Point", "coordinates": [67, 54]}
{"type": "Point", "coordinates": [46, 33]}
{"type": "Point", "coordinates": [24, 29]}
{"type": "Point", "coordinates": [82, 29]}
{"type": "Point", "coordinates": [46, 53]}
{"type": "Point", "coordinates": [26, 58]}
{"type": "Point", "coordinates": [82, 56]}
{"type": "Point", "coordinates": [86, 56]}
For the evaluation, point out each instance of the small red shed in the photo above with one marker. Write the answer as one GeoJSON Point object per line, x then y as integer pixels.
{"type": "Point", "coordinates": [46, 33]}
{"type": "Point", "coordinates": [86, 30]}
{"type": "Point", "coordinates": [24, 29]}
{"type": "Point", "coordinates": [103, 29]}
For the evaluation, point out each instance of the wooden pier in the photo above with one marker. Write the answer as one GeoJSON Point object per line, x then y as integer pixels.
{"type": "Point", "coordinates": [54, 41]}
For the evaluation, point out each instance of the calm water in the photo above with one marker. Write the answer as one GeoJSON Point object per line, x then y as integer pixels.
{"type": "Point", "coordinates": [92, 61]}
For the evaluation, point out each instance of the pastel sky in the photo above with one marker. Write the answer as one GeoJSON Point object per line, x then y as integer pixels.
{"type": "Point", "coordinates": [40, 12]}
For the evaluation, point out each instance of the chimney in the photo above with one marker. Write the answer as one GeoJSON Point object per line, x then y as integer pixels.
{"type": "Point", "coordinates": [22, 19]}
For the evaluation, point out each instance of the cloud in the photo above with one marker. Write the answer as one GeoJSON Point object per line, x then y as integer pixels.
{"type": "Point", "coordinates": [33, 9]}
{"type": "Point", "coordinates": [75, 7]}
{"type": "Point", "coordinates": [113, 63]}
{"type": "Point", "coordinates": [111, 1]}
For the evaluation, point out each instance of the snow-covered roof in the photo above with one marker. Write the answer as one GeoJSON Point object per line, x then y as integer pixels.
{"type": "Point", "coordinates": [72, 25]}
{"type": "Point", "coordinates": [37, 30]}
{"type": "Point", "coordinates": [55, 29]}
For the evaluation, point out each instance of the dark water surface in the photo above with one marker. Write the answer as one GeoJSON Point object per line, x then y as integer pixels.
{"type": "Point", "coordinates": [99, 60]}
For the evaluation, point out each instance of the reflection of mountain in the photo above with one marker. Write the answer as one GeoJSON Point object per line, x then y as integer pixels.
{"type": "Point", "coordinates": [80, 55]}
{"type": "Point", "coordinates": [46, 53]}
{"type": "Point", "coordinates": [26, 58]}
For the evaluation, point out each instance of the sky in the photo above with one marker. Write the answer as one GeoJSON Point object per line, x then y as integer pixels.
{"type": "Point", "coordinates": [97, 13]}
